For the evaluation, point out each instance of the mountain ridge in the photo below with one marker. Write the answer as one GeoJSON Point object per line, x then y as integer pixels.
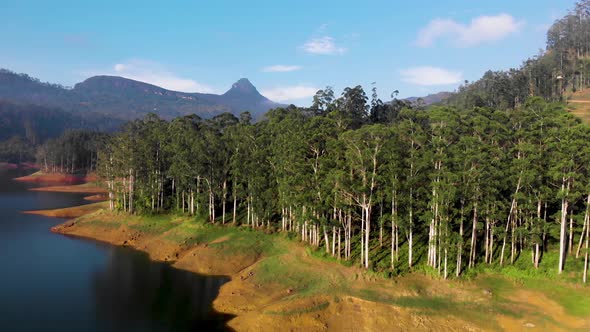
{"type": "Point", "coordinates": [433, 98]}
{"type": "Point", "coordinates": [128, 99]}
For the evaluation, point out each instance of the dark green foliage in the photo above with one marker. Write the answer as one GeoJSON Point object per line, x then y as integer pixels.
{"type": "Point", "coordinates": [74, 152]}
{"type": "Point", "coordinates": [563, 67]}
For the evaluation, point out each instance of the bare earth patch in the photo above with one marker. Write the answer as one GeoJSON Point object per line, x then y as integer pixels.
{"type": "Point", "coordinates": [86, 188]}
{"type": "Point", "coordinates": [71, 212]}
{"type": "Point", "coordinates": [286, 289]}
{"type": "Point", "coordinates": [56, 178]}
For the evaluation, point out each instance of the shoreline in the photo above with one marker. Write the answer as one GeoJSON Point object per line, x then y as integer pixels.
{"type": "Point", "coordinates": [69, 212]}
{"type": "Point", "coordinates": [277, 284]}
{"type": "Point", "coordinates": [85, 188]}
{"type": "Point", "coordinates": [57, 178]}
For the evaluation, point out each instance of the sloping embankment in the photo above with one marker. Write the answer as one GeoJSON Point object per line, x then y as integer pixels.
{"type": "Point", "coordinates": [277, 285]}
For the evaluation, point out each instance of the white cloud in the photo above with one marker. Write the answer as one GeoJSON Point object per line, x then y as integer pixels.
{"type": "Point", "coordinates": [481, 29]}
{"type": "Point", "coordinates": [429, 76]}
{"type": "Point", "coordinates": [289, 92]}
{"type": "Point", "coordinates": [323, 46]}
{"type": "Point", "coordinates": [280, 69]}
{"type": "Point", "coordinates": [156, 74]}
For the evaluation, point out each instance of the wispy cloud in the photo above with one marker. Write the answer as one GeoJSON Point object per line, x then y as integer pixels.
{"type": "Point", "coordinates": [430, 76]}
{"type": "Point", "coordinates": [156, 74]}
{"type": "Point", "coordinates": [480, 30]}
{"type": "Point", "coordinates": [288, 93]}
{"type": "Point", "coordinates": [325, 45]}
{"type": "Point", "coordinates": [280, 69]}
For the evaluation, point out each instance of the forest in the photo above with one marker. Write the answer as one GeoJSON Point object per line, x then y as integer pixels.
{"type": "Point", "coordinates": [563, 67]}
{"type": "Point", "coordinates": [499, 173]}
{"type": "Point", "coordinates": [444, 187]}
{"type": "Point", "coordinates": [24, 128]}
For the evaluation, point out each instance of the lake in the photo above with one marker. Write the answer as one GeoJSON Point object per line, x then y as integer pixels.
{"type": "Point", "coordinates": [53, 282]}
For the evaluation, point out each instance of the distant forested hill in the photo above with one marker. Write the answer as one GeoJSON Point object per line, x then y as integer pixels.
{"type": "Point", "coordinates": [38, 123]}
{"type": "Point", "coordinates": [25, 126]}
{"type": "Point", "coordinates": [563, 68]}
{"type": "Point", "coordinates": [127, 99]}
{"type": "Point", "coordinates": [431, 99]}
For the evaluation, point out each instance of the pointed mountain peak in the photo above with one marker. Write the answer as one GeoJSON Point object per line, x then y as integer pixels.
{"type": "Point", "coordinates": [242, 87]}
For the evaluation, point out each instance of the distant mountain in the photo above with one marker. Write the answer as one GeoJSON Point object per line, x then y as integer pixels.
{"type": "Point", "coordinates": [124, 98]}
{"type": "Point", "coordinates": [38, 123]}
{"type": "Point", "coordinates": [432, 98]}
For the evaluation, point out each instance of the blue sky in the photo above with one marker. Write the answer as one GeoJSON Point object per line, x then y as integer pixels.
{"type": "Point", "coordinates": [288, 51]}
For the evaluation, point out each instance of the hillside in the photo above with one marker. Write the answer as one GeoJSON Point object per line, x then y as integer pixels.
{"type": "Point", "coordinates": [39, 123]}
{"type": "Point", "coordinates": [431, 98]}
{"type": "Point", "coordinates": [277, 284]}
{"type": "Point", "coordinates": [579, 105]}
{"type": "Point", "coordinates": [126, 99]}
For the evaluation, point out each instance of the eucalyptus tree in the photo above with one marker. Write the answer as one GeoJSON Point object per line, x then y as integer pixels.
{"type": "Point", "coordinates": [413, 140]}
{"type": "Point", "coordinates": [353, 105]}
{"type": "Point", "coordinates": [240, 139]}
{"type": "Point", "coordinates": [323, 101]}
{"type": "Point", "coordinates": [182, 132]}
{"type": "Point", "coordinates": [566, 142]}
{"type": "Point", "coordinates": [443, 135]}
{"type": "Point", "coordinates": [364, 158]}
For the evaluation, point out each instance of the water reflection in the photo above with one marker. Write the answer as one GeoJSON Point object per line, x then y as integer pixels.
{"type": "Point", "coordinates": [133, 292]}
{"type": "Point", "coordinates": [50, 282]}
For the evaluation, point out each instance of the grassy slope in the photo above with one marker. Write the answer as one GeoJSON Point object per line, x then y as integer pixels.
{"type": "Point", "coordinates": [281, 280]}
{"type": "Point", "coordinates": [579, 105]}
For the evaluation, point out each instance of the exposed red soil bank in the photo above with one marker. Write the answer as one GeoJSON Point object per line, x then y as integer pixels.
{"type": "Point", "coordinates": [57, 178]}
{"type": "Point", "coordinates": [86, 188]}
{"type": "Point", "coordinates": [71, 212]}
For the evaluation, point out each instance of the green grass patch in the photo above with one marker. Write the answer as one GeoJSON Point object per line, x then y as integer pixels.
{"type": "Point", "coordinates": [100, 223]}
{"type": "Point", "coordinates": [155, 224]}
{"type": "Point", "coordinates": [303, 280]}
{"type": "Point", "coordinates": [300, 311]}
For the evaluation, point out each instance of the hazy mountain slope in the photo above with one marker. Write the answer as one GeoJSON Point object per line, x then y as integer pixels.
{"type": "Point", "coordinates": [129, 99]}
{"type": "Point", "coordinates": [39, 123]}
{"type": "Point", "coordinates": [432, 98]}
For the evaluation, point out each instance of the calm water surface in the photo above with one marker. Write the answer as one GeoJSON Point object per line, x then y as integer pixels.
{"type": "Point", "coordinates": [50, 282]}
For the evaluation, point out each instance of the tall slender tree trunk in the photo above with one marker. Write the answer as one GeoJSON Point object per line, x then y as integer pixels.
{"type": "Point", "coordinates": [460, 244]}
{"type": "Point", "coordinates": [410, 230]}
{"type": "Point", "coordinates": [586, 253]}
{"type": "Point", "coordinates": [571, 233]}
{"type": "Point", "coordinates": [327, 242]}
{"type": "Point", "coordinates": [235, 209]}
{"type": "Point", "coordinates": [563, 220]}
{"type": "Point", "coordinates": [367, 234]}
{"type": "Point", "coordinates": [131, 187]}
{"type": "Point", "coordinates": [362, 236]}
{"type": "Point", "coordinates": [473, 237]}
{"type": "Point", "coordinates": [339, 243]}
{"type": "Point", "coordinates": [586, 222]}
{"type": "Point", "coordinates": [510, 217]}
{"type": "Point", "coordinates": [223, 202]}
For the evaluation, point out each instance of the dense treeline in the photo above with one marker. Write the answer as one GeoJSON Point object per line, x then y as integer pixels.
{"type": "Point", "coordinates": [562, 68]}
{"type": "Point", "coordinates": [74, 152]}
{"type": "Point", "coordinates": [25, 127]}
{"type": "Point", "coordinates": [16, 150]}
{"type": "Point", "coordinates": [370, 183]}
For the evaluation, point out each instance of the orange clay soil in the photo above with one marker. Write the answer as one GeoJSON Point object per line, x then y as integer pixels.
{"type": "Point", "coordinates": [71, 212]}
{"type": "Point", "coordinates": [56, 178]}
{"type": "Point", "coordinates": [85, 188]}
{"type": "Point", "coordinates": [96, 198]}
{"type": "Point", "coordinates": [290, 290]}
